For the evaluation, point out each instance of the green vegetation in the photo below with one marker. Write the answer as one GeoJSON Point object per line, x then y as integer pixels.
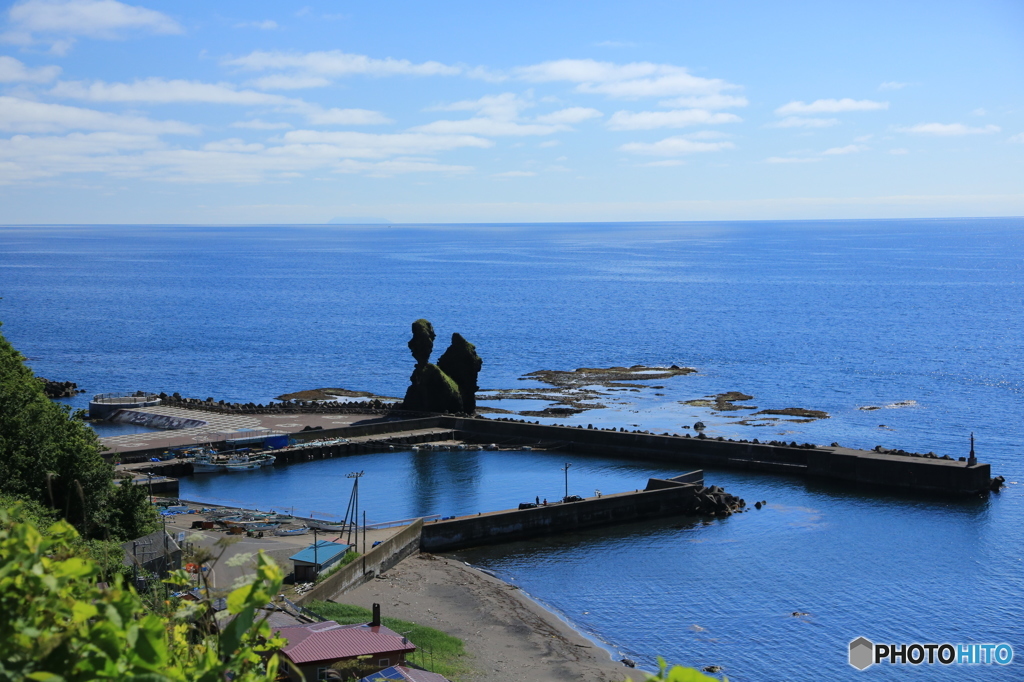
{"type": "Point", "coordinates": [680, 674]}
{"type": "Point", "coordinates": [348, 558]}
{"type": "Point", "coordinates": [436, 651]}
{"type": "Point", "coordinates": [50, 457]}
{"type": "Point", "coordinates": [57, 625]}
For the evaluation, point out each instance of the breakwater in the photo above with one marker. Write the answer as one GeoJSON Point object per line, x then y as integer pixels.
{"type": "Point", "coordinates": [928, 473]}
{"type": "Point", "coordinates": [662, 497]}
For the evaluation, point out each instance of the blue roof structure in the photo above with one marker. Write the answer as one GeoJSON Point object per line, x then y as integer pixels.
{"type": "Point", "coordinates": [326, 552]}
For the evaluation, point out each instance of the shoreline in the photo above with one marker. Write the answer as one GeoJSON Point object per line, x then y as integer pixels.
{"type": "Point", "coordinates": [508, 635]}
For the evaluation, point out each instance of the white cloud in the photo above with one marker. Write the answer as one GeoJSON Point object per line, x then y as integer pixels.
{"type": "Point", "coordinates": [637, 79]}
{"type": "Point", "coordinates": [549, 143]}
{"type": "Point", "coordinates": [979, 112]}
{"type": "Point", "coordinates": [504, 107]}
{"type": "Point", "coordinates": [649, 120]}
{"type": "Point", "coordinates": [948, 129]}
{"type": "Point", "coordinates": [21, 115]}
{"type": "Point", "coordinates": [257, 124]}
{"type": "Point", "coordinates": [804, 122]}
{"type": "Point", "coordinates": [489, 127]}
{"type": "Point", "coordinates": [106, 19]}
{"type": "Point", "coordinates": [233, 144]}
{"type": "Point", "coordinates": [514, 174]}
{"type": "Point", "coordinates": [265, 25]}
{"type": "Point", "coordinates": [318, 116]}
{"type": "Point", "coordinates": [663, 164]}
{"type": "Point", "coordinates": [337, 63]}
{"type": "Point", "coordinates": [892, 85]}
{"type": "Point", "coordinates": [374, 145]}
{"type": "Point", "coordinates": [384, 169]}
{"type": "Point", "coordinates": [500, 115]}
{"type": "Point", "coordinates": [569, 116]}
{"type": "Point", "coordinates": [162, 91]}
{"type": "Point", "coordinates": [26, 157]}
{"type": "Point", "coordinates": [830, 106]}
{"type": "Point", "coordinates": [791, 159]}
{"type": "Point", "coordinates": [674, 146]}
{"type": "Point", "coordinates": [848, 149]}
{"type": "Point", "coordinates": [1019, 137]}
{"type": "Point", "coordinates": [282, 81]}
{"type": "Point", "coordinates": [706, 102]}
{"type": "Point", "coordinates": [13, 71]}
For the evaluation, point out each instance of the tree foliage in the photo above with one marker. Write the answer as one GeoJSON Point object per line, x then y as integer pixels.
{"type": "Point", "coordinates": [57, 625]}
{"type": "Point", "coordinates": [50, 457]}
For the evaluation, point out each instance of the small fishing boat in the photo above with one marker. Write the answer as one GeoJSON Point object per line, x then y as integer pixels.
{"type": "Point", "coordinates": [239, 460]}
{"type": "Point", "coordinates": [291, 531]}
{"type": "Point", "coordinates": [262, 526]}
{"type": "Point", "coordinates": [329, 527]}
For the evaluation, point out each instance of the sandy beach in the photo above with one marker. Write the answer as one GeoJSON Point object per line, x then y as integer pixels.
{"type": "Point", "coordinates": [508, 635]}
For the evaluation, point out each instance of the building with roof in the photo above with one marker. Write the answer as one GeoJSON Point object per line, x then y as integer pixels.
{"type": "Point", "coordinates": [402, 673]}
{"type": "Point", "coordinates": [314, 647]}
{"type": "Point", "coordinates": [308, 563]}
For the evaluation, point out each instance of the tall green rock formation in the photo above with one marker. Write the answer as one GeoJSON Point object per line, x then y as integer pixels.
{"type": "Point", "coordinates": [422, 342]}
{"type": "Point", "coordinates": [448, 386]}
{"type": "Point", "coordinates": [462, 364]}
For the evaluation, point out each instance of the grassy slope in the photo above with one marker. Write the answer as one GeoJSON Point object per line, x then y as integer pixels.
{"type": "Point", "coordinates": [436, 651]}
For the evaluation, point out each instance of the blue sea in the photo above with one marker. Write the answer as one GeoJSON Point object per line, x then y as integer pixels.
{"type": "Point", "coordinates": [923, 319]}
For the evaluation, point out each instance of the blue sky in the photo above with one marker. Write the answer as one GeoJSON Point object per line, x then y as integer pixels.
{"type": "Point", "coordinates": [269, 112]}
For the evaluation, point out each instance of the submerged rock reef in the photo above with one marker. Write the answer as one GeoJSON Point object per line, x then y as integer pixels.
{"type": "Point", "coordinates": [450, 385]}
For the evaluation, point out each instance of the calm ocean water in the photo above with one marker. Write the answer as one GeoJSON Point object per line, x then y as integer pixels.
{"type": "Point", "coordinates": [823, 315]}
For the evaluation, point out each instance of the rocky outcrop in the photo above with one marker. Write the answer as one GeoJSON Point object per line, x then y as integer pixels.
{"type": "Point", "coordinates": [462, 364]}
{"type": "Point", "coordinates": [422, 342]}
{"type": "Point", "coordinates": [448, 386]}
{"type": "Point", "coordinates": [59, 389]}
{"type": "Point", "coordinates": [433, 391]}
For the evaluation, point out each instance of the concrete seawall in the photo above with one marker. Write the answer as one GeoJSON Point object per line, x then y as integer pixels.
{"type": "Point", "coordinates": [837, 463]}
{"type": "Point", "coordinates": [662, 498]}
{"type": "Point", "coordinates": [376, 561]}
{"type": "Point", "coordinates": [928, 474]}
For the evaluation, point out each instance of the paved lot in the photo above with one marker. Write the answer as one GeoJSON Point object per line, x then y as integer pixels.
{"type": "Point", "coordinates": [239, 552]}
{"type": "Point", "coordinates": [217, 423]}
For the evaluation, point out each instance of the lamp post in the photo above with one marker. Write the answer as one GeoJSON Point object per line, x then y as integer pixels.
{"type": "Point", "coordinates": [566, 470]}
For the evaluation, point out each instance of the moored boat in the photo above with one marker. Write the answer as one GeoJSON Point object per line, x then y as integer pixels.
{"type": "Point", "coordinates": [291, 531]}
{"type": "Point", "coordinates": [235, 461]}
{"type": "Point", "coordinates": [329, 527]}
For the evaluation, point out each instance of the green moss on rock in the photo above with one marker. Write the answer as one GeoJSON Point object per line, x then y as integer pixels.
{"type": "Point", "coordinates": [462, 364]}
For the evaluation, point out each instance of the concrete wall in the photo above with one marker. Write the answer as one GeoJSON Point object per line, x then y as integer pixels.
{"type": "Point", "coordinates": [365, 568]}
{"type": "Point", "coordinates": [861, 466]}
{"type": "Point", "coordinates": [512, 525]}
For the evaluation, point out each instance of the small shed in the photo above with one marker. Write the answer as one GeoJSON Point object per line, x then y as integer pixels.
{"type": "Point", "coordinates": [308, 563]}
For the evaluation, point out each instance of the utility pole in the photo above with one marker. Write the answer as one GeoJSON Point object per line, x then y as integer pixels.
{"type": "Point", "coordinates": [566, 470]}
{"type": "Point", "coordinates": [353, 508]}
{"type": "Point", "coordinates": [316, 561]}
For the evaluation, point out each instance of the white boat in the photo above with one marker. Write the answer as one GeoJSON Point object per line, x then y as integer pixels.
{"type": "Point", "coordinates": [208, 464]}
{"type": "Point", "coordinates": [329, 527]}
{"type": "Point", "coordinates": [291, 531]}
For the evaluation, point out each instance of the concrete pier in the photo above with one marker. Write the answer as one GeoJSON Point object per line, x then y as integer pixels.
{"type": "Point", "coordinates": [886, 470]}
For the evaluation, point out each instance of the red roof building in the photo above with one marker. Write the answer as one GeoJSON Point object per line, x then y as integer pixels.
{"type": "Point", "coordinates": [315, 646]}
